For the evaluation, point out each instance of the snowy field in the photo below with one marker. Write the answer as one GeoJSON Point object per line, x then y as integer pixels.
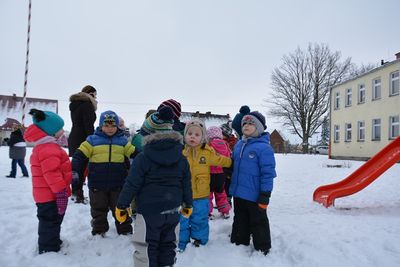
{"type": "Point", "coordinates": [362, 230]}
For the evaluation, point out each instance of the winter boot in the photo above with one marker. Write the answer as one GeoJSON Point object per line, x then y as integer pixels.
{"type": "Point", "coordinates": [79, 197]}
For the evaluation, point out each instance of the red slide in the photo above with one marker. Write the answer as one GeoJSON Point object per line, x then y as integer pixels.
{"type": "Point", "coordinates": [362, 177]}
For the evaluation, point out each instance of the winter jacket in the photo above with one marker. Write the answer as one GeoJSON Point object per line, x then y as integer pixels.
{"type": "Point", "coordinates": [137, 141]}
{"type": "Point", "coordinates": [107, 159]}
{"type": "Point", "coordinates": [83, 116]}
{"type": "Point", "coordinates": [221, 147]}
{"type": "Point", "coordinates": [231, 140]}
{"type": "Point", "coordinates": [17, 145]}
{"type": "Point", "coordinates": [200, 159]}
{"type": "Point", "coordinates": [253, 168]}
{"type": "Point", "coordinates": [50, 166]}
{"type": "Point", "coordinates": [159, 177]}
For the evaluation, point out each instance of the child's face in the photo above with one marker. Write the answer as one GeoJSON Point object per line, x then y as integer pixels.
{"type": "Point", "coordinates": [193, 136]}
{"type": "Point", "coordinates": [108, 129]}
{"type": "Point", "coordinates": [248, 129]}
{"type": "Point", "coordinates": [59, 133]}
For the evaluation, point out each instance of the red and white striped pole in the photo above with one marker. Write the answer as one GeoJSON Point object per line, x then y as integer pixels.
{"type": "Point", "coordinates": [26, 64]}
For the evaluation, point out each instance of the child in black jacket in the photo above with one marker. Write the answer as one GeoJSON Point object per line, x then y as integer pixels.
{"type": "Point", "coordinates": [160, 181]}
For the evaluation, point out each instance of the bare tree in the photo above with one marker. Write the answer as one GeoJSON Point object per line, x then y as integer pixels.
{"type": "Point", "coordinates": [301, 85]}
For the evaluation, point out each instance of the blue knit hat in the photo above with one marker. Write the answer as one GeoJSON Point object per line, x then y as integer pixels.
{"type": "Point", "coordinates": [109, 117]}
{"type": "Point", "coordinates": [237, 120]}
{"type": "Point", "coordinates": [48, 121]}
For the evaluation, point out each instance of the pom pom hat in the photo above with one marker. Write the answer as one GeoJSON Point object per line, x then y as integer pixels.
{"type": "Point", "coordinates": [174, 105]}
{"type": "Point", "coordinates": [257, 119]}
{"type": "Point", "coordinates": [158, 121]}
{"type": "Point", "coordinates": [48, 121]}
{"type": "Point", "coordinates": [237, 120]}
{"type": "Point", "coordinates": [214, 132]}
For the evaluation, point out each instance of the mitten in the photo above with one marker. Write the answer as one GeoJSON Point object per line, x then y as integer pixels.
{"type": "Point", "coordinates": [263, 200]}
{"type": "Point", "coordinates": [186, 211]}
{"type": "Point", "coordinates": [122, 214]}
{"type": "Point", "coordinates": [62, 201]}
{"type": "Point", "coordinates": [75, 179]}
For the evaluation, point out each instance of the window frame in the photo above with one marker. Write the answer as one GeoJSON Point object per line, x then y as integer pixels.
{"type": "Point", "coordinates": [374, 86]}
{"type": "Point", "coordinates": [374, 127]}
{"type": "Point", "coordinates": [349, 97]}
{"type": "Point", "coordinates": [347, 132]}
{"type": "Point", "coordinates": [391, 80]}
{"type": "Point", "coordinates": [336, 105]}
{"type": "Point", "coordinates": [361, 89]}
{"type": "Point", "coordinates": [336, 133]}
{"type": "Point", "coordinates": [361, 131]}
{"type": "Point", "coordinates": [392, 125]}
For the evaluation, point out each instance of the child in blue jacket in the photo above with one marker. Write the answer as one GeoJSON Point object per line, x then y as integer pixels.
{"type": "Point", "coordinates": [252, 183]}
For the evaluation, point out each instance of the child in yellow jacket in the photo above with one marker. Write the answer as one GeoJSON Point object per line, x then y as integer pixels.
{"type": "Point", "coordinates": [200, 157]}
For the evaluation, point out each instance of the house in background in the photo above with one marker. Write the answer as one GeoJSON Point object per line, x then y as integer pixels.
{"type": "Point", "coordinates": [277, 142]}
{"type": "Point", "coordinates": [209, 118]}
{"type": "Point", "coordinates": [11, 111]}
{"type": "Point", "coordinates": [365, 112]}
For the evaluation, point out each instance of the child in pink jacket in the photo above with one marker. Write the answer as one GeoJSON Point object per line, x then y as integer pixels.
{"type": "Point", "coordinates": [217, 174]}
{"type": "Point", "coordinates": [51, 176]}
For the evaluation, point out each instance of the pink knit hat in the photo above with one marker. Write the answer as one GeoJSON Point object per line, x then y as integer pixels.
{"type": "Point", "coordinates": [214, 132]}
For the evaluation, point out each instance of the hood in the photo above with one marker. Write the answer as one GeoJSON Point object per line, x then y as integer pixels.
{"type": "Point", "coordinates": [163, 148]}
{"type": "Point", "coordinates": [34, 133]}
{"type": "Point", "coordinates": [76, 100]}
{"type": "Point", "coordinates": [263, 138]}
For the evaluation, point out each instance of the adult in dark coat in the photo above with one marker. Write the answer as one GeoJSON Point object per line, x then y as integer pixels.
{"type": "Point", "coordinates": [83, 115]}
{"type": "Point", "coordinates": [17, 151]}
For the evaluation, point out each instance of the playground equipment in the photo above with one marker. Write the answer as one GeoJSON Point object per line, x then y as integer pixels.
{"type": "Point", "coordinates": [361, 177]}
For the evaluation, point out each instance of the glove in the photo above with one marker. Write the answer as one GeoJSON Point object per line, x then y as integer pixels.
{"type": "Point", "coordinates": [122, 214]}
{"type": "Point", "coordinates": [186, 211]}
{"type": "Point", "coordinates": [263, 200]}
{"type": "Point", "coordinates": [75, 179]}
{"type": "Point", "coordinates": [62, 201]}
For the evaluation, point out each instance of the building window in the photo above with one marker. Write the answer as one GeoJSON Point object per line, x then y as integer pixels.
{"type": "Point", "coordinates": [376, 129]}
{"type": "Point", "coordinates": [347, 132]}
{"type": "Point", "coordinates": [361, 131]}
{"type": "Point", "coordinates": [361, 93]}
{"type": "Point", "coordinates": [336, 132]}
{"type": "Point", "coordinates": [376, 89]}
{"type": "Point", "coordinates": [348, 97]}
{"type": "Point", "coordinates": [337, 100]}
{"type": "Point", "coordinates": [394, 83]}
{"type": "Point", "coordinates": [393, 127]}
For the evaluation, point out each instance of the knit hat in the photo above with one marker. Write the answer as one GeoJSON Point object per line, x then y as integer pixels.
{"type": "Point", "coordinates": [214, 132]}
{"type": "Point", "coordinates": [174, 105]}
{"type": "Point", "coordinates": [48, 121]}
{"type": "Point", "coordinates": [199, 123]}
{"type": "Point", "coordinates": [158, 121]}
{"type": "Point", "coordinates": [89, 89]}
{"type": "Point", "coordinates": [109, 117]}
{"type": "Point", "coordinates": [226, 129]}
{"type": "Point", "coordinates": [257, 119]}
{"type": "Point", "coordinates": [237, 120]}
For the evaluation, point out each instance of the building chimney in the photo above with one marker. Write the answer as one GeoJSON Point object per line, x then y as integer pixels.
{"type": "Point", "coordinates": [382, 62]}
{"type": "Point", "coordinates": [397, 56]}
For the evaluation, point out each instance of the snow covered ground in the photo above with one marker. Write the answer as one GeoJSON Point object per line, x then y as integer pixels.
{"type": "Point", "coordinates": [362, 230]}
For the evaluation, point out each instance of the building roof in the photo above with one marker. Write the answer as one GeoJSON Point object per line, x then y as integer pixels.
{"type": "Point", "coordinates": [386, 64]}
{"type": "Point", "coordinates": [209, 118]}
{"type": "Point", "coordinates": [11, 107]}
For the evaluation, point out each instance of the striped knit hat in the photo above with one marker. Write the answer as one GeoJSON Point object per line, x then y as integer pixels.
{"type": "Point", "coordinates": [174, 105]}
{"type": "Point", "coordinates": [158, 121]}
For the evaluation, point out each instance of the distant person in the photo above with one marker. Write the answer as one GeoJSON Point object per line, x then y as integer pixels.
{"type": "Point", "coordinates": [51, 176]}
{"type": "Point", "coordinates": [252, 184]}
{"type": "Point", "coordinates": [83, 108]}
{"type": "Point", "coordinates": [106, 150]}
{"type": "Point", "coordinates": [176, 108]}
{"type": "Point", "coordinates": [231, 140]}
{"type": "Point", "coordinates": [218, 176]}
{"type": "Point", "coordinates": [17, 151]}
{"type": "Point", "coordinates": [160, 181]}
{"type": "Point", "coordinates": [237, 120]}
{"type": "Point", "coordinates": [123, 128]}
{"type": "Point", "coordinates": [200, 157]}
{"type": "Point", "coordinates": [138, 136]}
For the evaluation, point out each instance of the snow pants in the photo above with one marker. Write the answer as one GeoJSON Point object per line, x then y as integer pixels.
{"type": "Point", "coordinates": [100, 203]}
{"type": "Point", "coordinates": [196, 226]}
{"type": "Point", "coordinates": [49, 227]}
{"type": "Point", "coordinates": [155, 239]}
{"type": "Point", "coordinates": [248, 220]}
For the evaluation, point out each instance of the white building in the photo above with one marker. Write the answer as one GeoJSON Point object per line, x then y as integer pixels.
{"type": "Point", "coordinates": [365, 112]}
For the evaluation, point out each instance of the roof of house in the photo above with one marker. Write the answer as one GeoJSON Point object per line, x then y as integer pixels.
{"type": "Point", "coordinates": [209, 118]}
{"type": "Point", "coordinates": [11, 107]}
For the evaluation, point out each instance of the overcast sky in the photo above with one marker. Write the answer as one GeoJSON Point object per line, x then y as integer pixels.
{"type": "Point", "coordinates": [211, 55]}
